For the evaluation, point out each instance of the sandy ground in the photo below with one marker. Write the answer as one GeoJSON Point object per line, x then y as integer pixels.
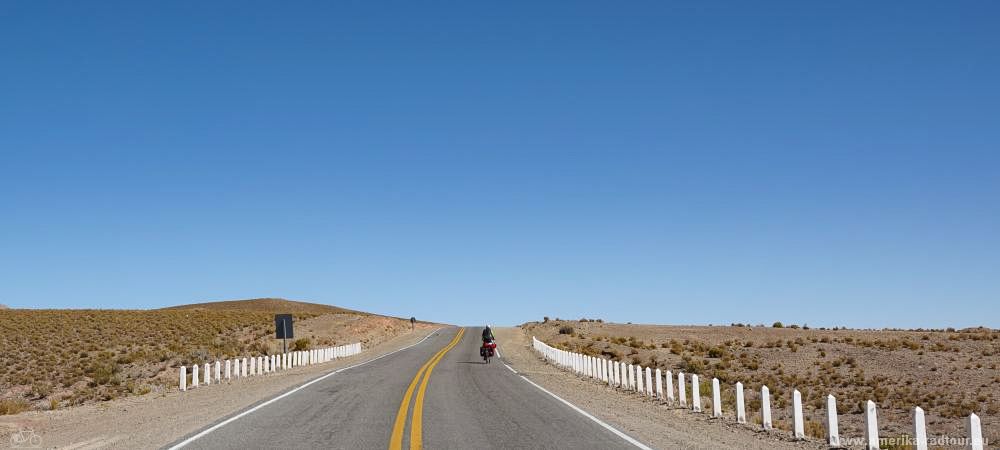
{"type": "Point", "coordinates": [652, 423]}
{"type": "Point", "coordinates": [154, 420]}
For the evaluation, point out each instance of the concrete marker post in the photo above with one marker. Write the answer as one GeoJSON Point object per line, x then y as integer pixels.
{"type": "Point", "coordinates": [919, 429]}
{"type": "Point", "coordinates": [182, 383]}
{"type": "Point", "coordinates": [194, 376]}
{"type": "Point", "coordinates": [799, 429]}
{"type": "Point", "coordinates": [681, 394]}
{"type": "Point", "coordinates": [832, 423]}
{"type": "Point", "coordinates": [716, 399]}
{"type": "Point", "coordinates": [695, 394]}
{"type": "Point", "coordinates": [765, 408]}
{"type": "Point", "coordinates": [649, 382]}
{"type": "Point", "coordinates": [975, 429]}
{"type": "Point", "coordinates": [670, 387]}
{"type": "Point", "coordinates": [659, 384]}
{"type": "Point", "coordinates": [208, 374]}
{"type": "Point", "coordinates": [218, 371]}
{"type": "Point", "coordinates": [229, 370]}
{"type": "Point", "coordinates": [871, 426]}
{"type": "Point", "coordinates": [741, 409]}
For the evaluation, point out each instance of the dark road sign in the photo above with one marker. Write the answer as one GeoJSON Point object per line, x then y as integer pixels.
{"type": "Point", "coordinates": [283, 326]}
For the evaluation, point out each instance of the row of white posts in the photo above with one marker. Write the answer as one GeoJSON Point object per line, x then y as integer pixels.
{"type": "Point", "coordinates": [259, 365]}
{"type": "Point", "coordinates": [634, 378]}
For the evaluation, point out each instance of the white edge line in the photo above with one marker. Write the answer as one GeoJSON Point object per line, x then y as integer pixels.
{"type": "Point", "coordinates": [610, 428]}
{"type": "Point", "coordinates": [286, 394]}
{"type": "Point", "coordinates": [501, 361]}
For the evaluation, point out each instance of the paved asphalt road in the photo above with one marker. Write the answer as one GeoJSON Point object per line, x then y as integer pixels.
{"type": "Point", "coordinates": [466, 404]}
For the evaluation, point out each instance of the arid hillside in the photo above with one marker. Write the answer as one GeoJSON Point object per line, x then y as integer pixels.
{"type": "Point", "coordinates": [948, 373]}
{"type": "Point", "coordinates": [55, 358]}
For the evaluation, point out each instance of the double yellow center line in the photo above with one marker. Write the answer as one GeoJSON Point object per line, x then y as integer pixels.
{"type": "Point", "coordinates": [416, 431]}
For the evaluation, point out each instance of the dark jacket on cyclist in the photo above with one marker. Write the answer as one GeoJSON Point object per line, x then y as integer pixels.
{"type": "Point", "coordinates": [487, 334]}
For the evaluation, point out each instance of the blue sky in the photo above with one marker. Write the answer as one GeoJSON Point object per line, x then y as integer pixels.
{"type": "Point", "coordinates": [833, 163]}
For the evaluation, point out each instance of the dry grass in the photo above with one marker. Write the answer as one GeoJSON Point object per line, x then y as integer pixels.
{"type": "Point", "coordinates": [54, 358]}
{"type": "Point", "coordinates": [948, 373]}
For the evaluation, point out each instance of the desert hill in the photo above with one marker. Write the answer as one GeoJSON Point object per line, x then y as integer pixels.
{"type": "Point", "coordinates": [52, 358]}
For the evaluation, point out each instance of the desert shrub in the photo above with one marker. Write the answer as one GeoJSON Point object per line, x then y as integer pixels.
{"type": "Point", "coordinates": [611, 353]}
{"type": "Point", "coordinates": [301, 344]}
{"type": "Point", "coordinates": [815, 429]}
{"type": "Point", "coordinates": [13, 406]}
{"type": "Point", "coordinates": [566, 329]}
{"type": "Point", "coordinates": [545, 319]}
{"type": "Point", "coordinates": [777, 325]}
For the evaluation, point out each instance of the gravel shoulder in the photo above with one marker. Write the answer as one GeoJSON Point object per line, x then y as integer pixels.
{"type": "Point", "coordinates": [154, 420]}
{"type": "Point", "coordinates": [652, 423]}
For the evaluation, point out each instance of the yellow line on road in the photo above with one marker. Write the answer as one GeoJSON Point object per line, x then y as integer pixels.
{"type": "Point", "coordinates": [396, 440]}
{"type": "Point", "coordinates": [416, 426]}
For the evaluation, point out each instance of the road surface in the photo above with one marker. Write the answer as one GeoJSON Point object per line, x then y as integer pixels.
{"type": "Point", "coordinates": [453, 401]}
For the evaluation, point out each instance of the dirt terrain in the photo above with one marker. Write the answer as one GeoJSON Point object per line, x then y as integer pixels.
{"type": "Point", "coordinates": [948, 373]}
{"type": "Point", "coordinates": [52, 359]}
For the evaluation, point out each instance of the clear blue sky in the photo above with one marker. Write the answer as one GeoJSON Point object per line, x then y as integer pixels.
{"type": "Point", "coordinates": [835, 163]}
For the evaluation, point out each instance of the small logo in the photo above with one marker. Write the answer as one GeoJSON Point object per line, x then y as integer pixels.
{"type": "Point", "coordinates": [25, 438]}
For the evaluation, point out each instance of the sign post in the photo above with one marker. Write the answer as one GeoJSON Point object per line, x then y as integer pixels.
{"type": "Point", "coordinates": [283, 330]}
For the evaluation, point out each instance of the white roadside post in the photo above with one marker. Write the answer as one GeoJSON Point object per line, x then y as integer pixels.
{"type": "Point", "coordinates": [716, 399]}
{"type": "Point", "coordinates": [638, 380]}
{"type": "Point", "coordinates": [649, 382]}
{"type": "Point", "coordinates": [975, 428]}
{"type": "Point", "coordinates": [253, 366]}
{"type": "Point", "coordinates": [194, 376]}
{"type": "Point", "coordinates": [229, 369]}
{"type": "Point", "coordinates": [799, 430]}
{"type": "Point", "coordinates": [871, 426]}
{"type": "Point", "coordinates": [670, 386]}
{"type": "Point", "coordinates": [236, 368]}
{"type": "Point", "coordinates": [243, 370]}
{"type": "Point", "coordinates": [695, 394]}
{"type": "Point", "coordinates": [919, 429]}
{"type": "Point", "coordinates": [218, 371]}
{"type": "Point", "coordinates": [631, 378]}
{"type": "Point", "coordinates": [741, 410]}
{"type": "Point", "coordinates": [681, 394]}
{"type": "Point", "coordinates": [765, 408]}
{"type": "Point", "coordinates": [183, 381]}
{"type": "Point", "coordinates": [659, 384]}
{"type": "Point", "coordinates": [208, 374]}
{"type": "Point", "coordinates": [832, 427]}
